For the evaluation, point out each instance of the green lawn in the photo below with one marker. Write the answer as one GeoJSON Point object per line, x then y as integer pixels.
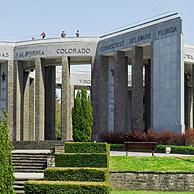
{"type": "Point", "coordinates": [148, 192]}
{"type": "Point", "coordinates": [152, 163]}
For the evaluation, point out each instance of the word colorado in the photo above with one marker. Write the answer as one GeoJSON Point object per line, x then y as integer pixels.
{"type": "Point", "coordinates": [73, 51]}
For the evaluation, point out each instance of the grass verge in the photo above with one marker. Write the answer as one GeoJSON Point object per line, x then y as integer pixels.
{"type": "Point", "coordinates": [148, 163]}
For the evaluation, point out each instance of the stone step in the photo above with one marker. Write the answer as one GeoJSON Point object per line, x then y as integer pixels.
{"type": "Point", "coordinates": [29, 167]}
{"type": "Point", "coordinates": [32, 151]}
{"type": "Point", "coordinates": [19, 186]}
{"type": "Point", "coordinates": [29, 170]}
{"type": "Point", "coordinates": [19, 191]}
{"type": "Point", "coordinates": [29, 163]}
{"type": "Point", "coordinates": [29, 159]}
{"type": "Point", "coordinates": [30, 156]}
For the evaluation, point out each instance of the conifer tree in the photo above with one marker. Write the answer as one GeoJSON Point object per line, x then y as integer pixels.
{"type": "Point", "coordinates": [6, 168]}
{"type": "Point", "coordinates": [58, 119]}
{"type": "Point", "coordinates": [82, 117]}
{"type": "Point", "coordinates": [76, 117]}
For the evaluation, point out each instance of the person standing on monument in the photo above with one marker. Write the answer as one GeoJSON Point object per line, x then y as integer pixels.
{"type": "Point", "coordinates": [77, 33]}
{"type": "Point", "coordinates": [63, 34]}
{"type": "Point", "coordinates": [43, 34]}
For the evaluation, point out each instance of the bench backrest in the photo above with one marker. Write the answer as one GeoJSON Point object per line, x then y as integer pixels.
{"type": "Point", "coordinates": [133, 146]}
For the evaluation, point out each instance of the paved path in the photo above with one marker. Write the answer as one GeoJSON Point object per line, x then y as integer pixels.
{"type": "Point", "coordinates": [122, 153]}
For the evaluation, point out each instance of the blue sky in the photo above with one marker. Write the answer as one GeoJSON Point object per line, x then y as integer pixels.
{"type": "Point", "coordinates": [23, 19]}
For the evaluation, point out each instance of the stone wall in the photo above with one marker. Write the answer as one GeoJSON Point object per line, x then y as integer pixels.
{"type": "Point", "coordinates": [167, 181]}
{"type": "Point", "coordinates": [46, 144]}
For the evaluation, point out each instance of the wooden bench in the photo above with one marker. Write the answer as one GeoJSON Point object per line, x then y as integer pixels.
{"type": "Point", "coordinates": [139, 146]}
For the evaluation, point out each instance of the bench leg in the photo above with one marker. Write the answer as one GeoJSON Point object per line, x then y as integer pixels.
{"type": "Point", "coordinates": [126, 153]}
{"type": "Point", "coordinates": [152, 153]}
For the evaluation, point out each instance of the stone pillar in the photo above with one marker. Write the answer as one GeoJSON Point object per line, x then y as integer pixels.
{"type": "Point", "coordinates": [137, 88]}
{"type": "Point", "coordinates": [99, 95]}
{"type": "Point", "coordinates": [190, 107]}
{"type": "Point", "coordinates": [39, 99]}
{"type": "Point", "coordinates": [120, 92]}
{"type": "Point", "coordinates": [50, 102]}
{"type": "Point", "coordinates": [26, 105]}
{"type": "Point", "coordinates": [32, 109]}
{"type": "Point", "coordinates": [11, 107]}
{"type": "Point", "coordinates": [147, 90]}
{"type": "Point", "coordinates": [65, 101]}
{"type": "Point", "coordinates": [168, 84]}
{"type": "Point", "coordinates": [111, 95]}
{"type": "Point", "coordinates": [3, 88]}
{"type": "Point", "coordinates": [192, 76]}
{"type": "Point", "coordinates": [187, 99]}
{"type": "Point", "coordinates": [19, 101]}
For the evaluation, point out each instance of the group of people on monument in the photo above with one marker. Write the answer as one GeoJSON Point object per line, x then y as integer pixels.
{"type": "Point", "coordinates": [63, 35]}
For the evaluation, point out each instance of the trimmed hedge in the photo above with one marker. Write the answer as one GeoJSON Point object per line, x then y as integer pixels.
{"type": "Point", "coordinates": [86, 147]}
{"type": "Point", "coordinates": [99, 160]}
{"type": "Point", "coordinates": [116, 147]}
{"type": "Point", "coordinates": [76, 174]}
{"type": "Point", "coordinates": [61, 187]}
{"type": "Point", "coordinates": [176, 149]}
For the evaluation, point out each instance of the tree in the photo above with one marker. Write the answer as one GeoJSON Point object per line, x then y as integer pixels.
{"type": "Point", "coordinates": [6, 168]}
{"type": "Point", "coordinates": [58, 119]}
{"type": "Point", "coordinates": [82, 117]}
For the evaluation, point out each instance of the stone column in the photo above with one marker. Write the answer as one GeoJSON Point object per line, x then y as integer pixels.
{"type": "Point", "coordinates": [65, 101]}
{"type": "Point", "coordinates": [26, 105]}
{"type": "Point", "coordinates": [39, 99]}
{"type": "Point", "coordinates": [32, 109]}
{"type": "Point", "coordinates": [12, 80]}
{"type": "Point", "coordinates": [192, 76]}
{"type": "Point", "coordinates": [3, 88]}
{"type": "Point", "coordinates": [137, 88]}
{"type": "Point", "coordinates": [168, 84]}
{"type": "Point", "coordinates": [50, 102]}
{"type": "Point", "coordinates": [120, 92]}
{"type": "Point", "coordinates": [20, 101]}
{"type": "Point", "coordinates": [147, 89]}
{"type": "Point", "coordinates": [190, 107]}
{"type": "Point", "coordinates": [111, 95]}
{"type": "Point", "coordinates": [99, 95]}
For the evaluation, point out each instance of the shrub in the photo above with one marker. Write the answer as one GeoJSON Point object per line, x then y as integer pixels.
{"type": "Point", "coordinates": [6, 168]}
{"type": "Point", "coordinates": [99, 160]}
{"type": "Point", "coordinates": [61, 187]}
{"type": "Point", "coordinates": [137, 136]}
{"type": "Point", "coordinates": [83, 147]}
{"type": "Point", "coordinates": [76, 174]}
{"type": "Point", "coordinates": [122, 136]}
{"type": "Point", "coordinates": [166, 137]}
{"type": "Point", "coordinates": [189, 137]}
{"type": "Point", "coordinates": [176, 149]}
{"type": "Point", "coordinates": [152, 135]}
{"type": "Point", "coordinates": [116, 147]}
{"type": "Point", "coordinates": [116, 137]}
